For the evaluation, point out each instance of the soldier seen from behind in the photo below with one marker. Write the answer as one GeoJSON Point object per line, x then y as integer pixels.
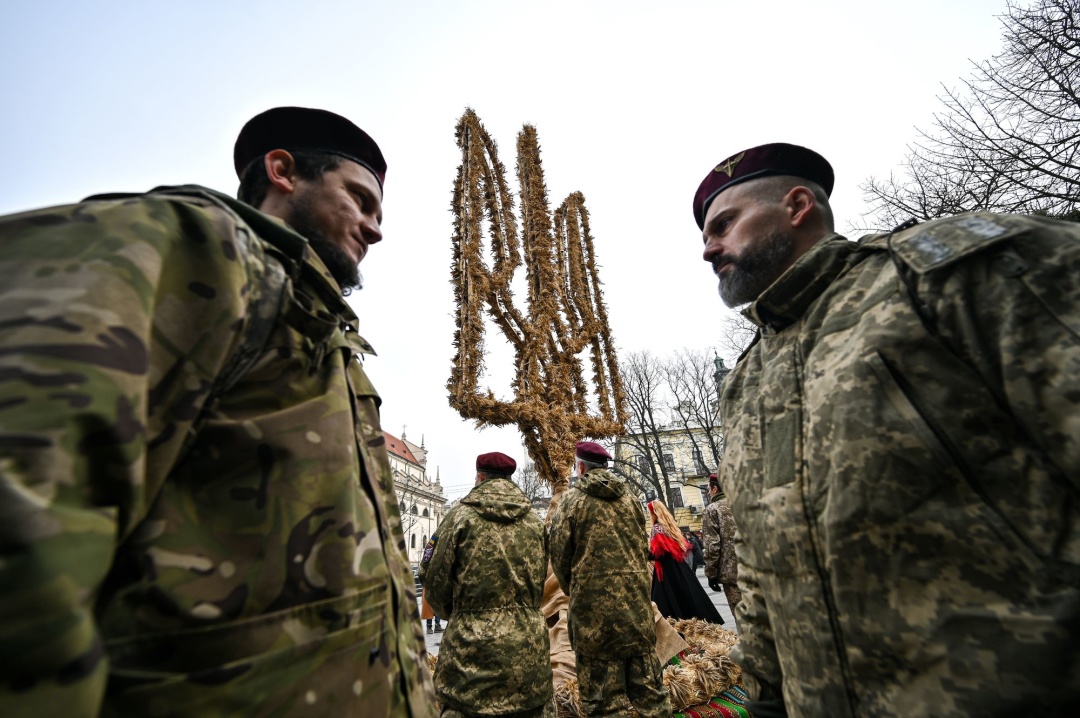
{"type": "Point", "coordinates": [484, 570]}
{"type": "Point", "coordinates": [719, 534]}
{"type": "Point", "coordinates": [599, 554]}
{"type": "Point", "coordinates": [900, 451]}
{"type": "Point", "coordinates": [198, 510]}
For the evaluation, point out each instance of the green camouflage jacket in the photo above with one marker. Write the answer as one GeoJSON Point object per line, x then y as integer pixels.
{"type": "Point", "coordinates": [485, 569]}
{"type": "Point", "coordinates": [718, 532]}
{"type": "Point", "coordinates": [177, 542]}
{"type": "Point", "coordinates": [902, 458]}
{"type": "Point", "coordinates": [599, 553]}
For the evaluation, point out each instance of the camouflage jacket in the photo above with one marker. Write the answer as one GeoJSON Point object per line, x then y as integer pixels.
{"type": "Point", "coordinates": [176, 542]}
{"type": "Point", "coordinates": [718, 532]}
{"type": "Point", "coordinates": [599, 554]}
{"type": "Point", "coordinates": [485, 569]}
{"type": "Point", "coordinates": [903, 463]}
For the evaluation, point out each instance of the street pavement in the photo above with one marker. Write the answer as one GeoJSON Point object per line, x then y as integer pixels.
{"type": "Point", "coordinates": [433, 640]}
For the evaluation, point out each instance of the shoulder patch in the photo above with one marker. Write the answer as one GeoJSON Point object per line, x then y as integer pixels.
{"type": "Point", "coordinates": [428, 549]}
{"type": "Point", "coordinates": [940, 243]}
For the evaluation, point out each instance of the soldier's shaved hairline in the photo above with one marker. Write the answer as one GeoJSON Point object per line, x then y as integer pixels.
{"type": "Point", "coordinates": [489, 475]}
{"type": "Point", "coordinates": [776, 187]}
{"type": "Point", "coordinates": [589, 465]}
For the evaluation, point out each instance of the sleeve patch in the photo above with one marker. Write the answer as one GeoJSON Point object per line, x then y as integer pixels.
{"type": "Point", "coordinates": [429, 548]}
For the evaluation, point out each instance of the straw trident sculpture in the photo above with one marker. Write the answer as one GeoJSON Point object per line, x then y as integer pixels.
{"type": "Point", "coordinates": [565, 318]}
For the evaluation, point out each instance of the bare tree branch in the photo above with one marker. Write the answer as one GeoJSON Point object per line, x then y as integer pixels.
{"type": "Point", "coordinates": [530, 482]}
{"type": "Point", "coordinates": [1008, 140]}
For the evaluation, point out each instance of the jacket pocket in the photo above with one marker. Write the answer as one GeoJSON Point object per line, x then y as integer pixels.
{"type": "Point", "coordinates": [306, 668]}
{"type": "Point", "coordinates": [781, 439]}
{"type": "Point", "coordinates": [978, 509]}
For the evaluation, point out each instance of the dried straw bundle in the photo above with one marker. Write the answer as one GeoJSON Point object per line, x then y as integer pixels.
{"type": "Point", "coordinates": [567, 700]}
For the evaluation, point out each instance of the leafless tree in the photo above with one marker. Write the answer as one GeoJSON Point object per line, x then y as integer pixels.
{"type": "Point", "coordinates": [643, 380]}
{"type": "Point", "coordinates": [670, 401]}
{"type": "Point", "coordinates": [1008, 140]}
{"type": "Point", "coordinates": [530, 482]}
{"type": "Point", "coordinates": [691, 378]}
{"type": "Point", "coordinates": [736, 334]}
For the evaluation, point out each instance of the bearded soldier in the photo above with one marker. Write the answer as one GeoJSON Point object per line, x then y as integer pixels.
{"type": "Point", "coordinates": [485, 569]}
{"type": "Point", "coordinates": [198, 511]}
{"type": "Point", "coordinates": [900, 451]}
{"type": "Point", "coordinates": [599, 554]}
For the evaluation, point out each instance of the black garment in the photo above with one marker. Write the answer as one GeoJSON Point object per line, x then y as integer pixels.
{"type": "Point", "coordinates": [699, 552]}
{"type": "Point", "coordinates": [680, 595]}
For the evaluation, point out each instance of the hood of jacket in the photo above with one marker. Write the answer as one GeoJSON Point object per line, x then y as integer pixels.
{"type": "Point", "coordinates": [602, 484]}
{"type": "Point", "coordinates": [498, 500]}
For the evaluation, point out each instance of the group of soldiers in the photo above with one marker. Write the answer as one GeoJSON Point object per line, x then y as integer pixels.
{"type": "Point", "coordinates": [197, 513]}
{"type": "Point", "coordinates": [486, 570]}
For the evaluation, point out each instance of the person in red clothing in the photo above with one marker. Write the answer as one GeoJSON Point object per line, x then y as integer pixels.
{"type": "Point", "coordinates": [675, 589]}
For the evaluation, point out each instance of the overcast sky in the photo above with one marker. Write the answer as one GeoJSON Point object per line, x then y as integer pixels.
{"type": "Point", "coordinates": [634, 103]}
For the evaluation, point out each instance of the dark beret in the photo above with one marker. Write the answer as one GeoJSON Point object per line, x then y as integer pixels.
{"type": "Point", "coordinates": [301, 128]}
{"type": "Point", "coordinates": [496, 463]}
{"type": "Point", "coordinates": [778, 158]}
{"type": "Point", "coordinates": [591, 451]}
{"type": "Point", "coordinates": [714, 481]}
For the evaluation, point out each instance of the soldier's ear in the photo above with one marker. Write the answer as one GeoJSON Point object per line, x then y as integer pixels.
{"type": "Point", "coordinates": [800, 205]}
{"type": "Point", "coordinates": [281, 170]}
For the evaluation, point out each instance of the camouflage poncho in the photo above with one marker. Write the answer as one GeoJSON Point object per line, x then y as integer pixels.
{"type": "Point", "coordinates": [599, 553]}
{"type": "Point", "coordinates": [485, 569]}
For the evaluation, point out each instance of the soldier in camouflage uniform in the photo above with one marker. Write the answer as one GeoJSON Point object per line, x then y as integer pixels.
{"type": "Point", "coordinates": [198, 510]}
{"type": "Point", "coordinates": [901, 451]}
{"type": "Point", "coordinates": [485, 570]}
{"type": "Point", "coordinates": [599, 554]}
{"type": "Point", "coordinates": [718, 530]}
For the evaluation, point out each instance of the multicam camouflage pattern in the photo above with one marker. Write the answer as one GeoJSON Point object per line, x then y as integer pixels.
{"type": "Point", "coordinates": [175, 544]}
{"type": "Point", "coordinates": [902, 458]}
{"type": "Point", "coordinates": [599, 554]}
{"type": "Point", "coordinates": [486, 571]}
{"type": "Point", "coordinates": [718, 532]}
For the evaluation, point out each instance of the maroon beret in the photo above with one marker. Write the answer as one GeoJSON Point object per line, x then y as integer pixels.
{"type": "Point", "coordinates": [495, 463]}
{"type": "Point", "coordinates": [778, 158]}
{"type": "Point", "coordinates": [591, 451]}
{"type": "Point", "coordinates": [714, 481]}
{"type": "Point", "coordinates": [301, 128]}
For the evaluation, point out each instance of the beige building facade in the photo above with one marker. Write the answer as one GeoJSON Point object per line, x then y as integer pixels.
{"type": "Point", "coordinates": [420, 498]}
{"type": "Point", "coordinates": [687, 461]}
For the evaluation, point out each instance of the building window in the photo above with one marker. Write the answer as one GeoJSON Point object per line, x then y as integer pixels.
{"type": "Point", "coordinates": [426, 515]}
{"type": "Point", "coordinates": [676, 498]}
{"type": "Point", "coordinates": [704, 495]}
{"type": "Point", "coordinates": [643, 464]}
{"type": "Point", "coordinates": [402, 507]}
{"type": "Point", "coordinates": [699, 462]}
{"type": "Point", "coordinates": [423, 541]}
{"type": "Point", "coordinates": [413, 510]}
{"type": "Point", "coordinates": [669, 462]}
{"type": "Point", "coordinates": [412, 540]}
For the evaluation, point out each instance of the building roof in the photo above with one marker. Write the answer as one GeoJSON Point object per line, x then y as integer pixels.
{"type": "Point", "coordinates": [399, 448]}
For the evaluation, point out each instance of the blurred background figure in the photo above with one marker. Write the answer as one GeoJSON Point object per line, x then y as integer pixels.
{"type": "Point", "coordinates": [718, 528]}
{"type": "Point", "coordinates": [426, 614]}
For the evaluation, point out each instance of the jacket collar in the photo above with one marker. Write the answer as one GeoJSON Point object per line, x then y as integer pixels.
{"type": "Point", "coordinates": [786, 299]}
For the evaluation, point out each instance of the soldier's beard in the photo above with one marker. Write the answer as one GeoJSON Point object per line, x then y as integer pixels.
{"type": "Point", "coordinates": [342, 267]}
{"type": "Point", "coordinates": [751, 273]}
